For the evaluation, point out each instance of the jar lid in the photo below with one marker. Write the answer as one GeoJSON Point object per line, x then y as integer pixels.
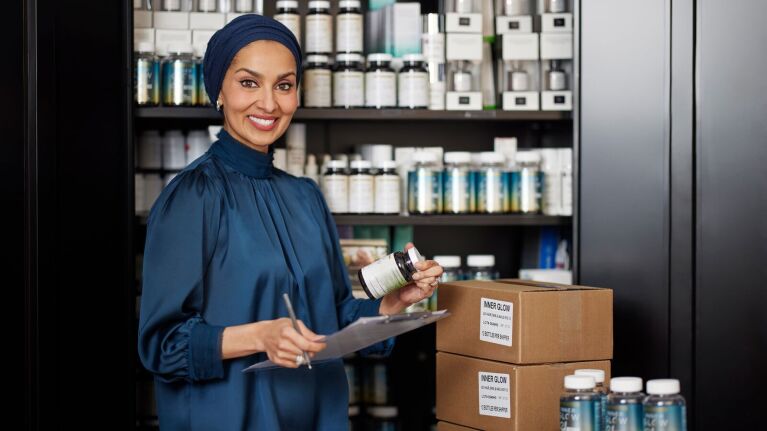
{"type": "Point", "coordinates": [349, 4]}
{"type": "Point", "coordinates": [348, 57]}
{"type": "Point", "coordinates": [287, 4]}
{"type": "Point", "coordinates": [457, 157]}
{"type": "Point", "coordinates": [492, 157]}
{"type": "Point", "coordinates": [663, 387]}
{"type": "Point", "coordinates": [528, 157]}
{"type": "Point", "coordinates": [382, 412]}
{"type": "Point", "coordinates": [414, 255]}
{"type": "Point", "coordinates": [361, 164]}
{"type": "Point", "coordinates": [319, 4]}
{"type": "Point", "coordinates": [387, 164]}
{"type": "Point", "coordinates": [598, 375]}
{"type": "Point", "coordinates": [180, 48]}
{"type": "Point", "coordinates": [424, 156]}
{"type": "Point", "coordinates": [480, 260]}
{"type": "Point", "coordinates": [316, 58]}
{"type": "Point", "coordinates": [337, 164]}
{"type": "Point", "coordinates": [626, 384]}
{"type": "Point", "coordinates": [379, 57]}
{"type": "Point", "coordinates": [145, 47]}
{"type": "Point", "coordinates": [579, 382]}
{"type": "Point", "coordinates": [412, 58]}
{"type": "Point", "coordinates": [447, 261]}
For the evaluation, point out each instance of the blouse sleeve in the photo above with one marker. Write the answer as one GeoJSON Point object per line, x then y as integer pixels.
{"type": "Point", "coordinates": [175, 342]}
{"type": "Point", "coordinates": [348, 308]}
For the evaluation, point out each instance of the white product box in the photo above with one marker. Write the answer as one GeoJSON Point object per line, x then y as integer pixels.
{"type": "Point", "coordinates": [142, 19]}
{"type": "Point", "coordinates": [513, 24]}
{"type": "Point", "coordinates": [557, 100]}
{"type": "Point", "coordinates": [165, 38]}
{"type": "Point", "coordinates": [402, 28]}
{"type": "Point", "coordinates": [506, 146]}
{"type": "Point", "coordinates": [522, 46]}
{"type": "Point", "coordinates": [463, 101]}
{"type": "Point", "coordinates": [206, 21]}
{"type": "Point", "coordinates": [556, 46]}
{"type": "Point", "coordinates": [520, 101]}
{"type": "Point", "coordinates": [463, 22]}
{"type": "Point", "coordinates": [556, 23]}
{"type": "Point", "coordinates": [463, 47]}
{"type": "Point", "coordinates": [200, 39]}
{"type": "Point", "coordinates": [143, 35]}
{"type": "Point", "coordinates": [171, 20]}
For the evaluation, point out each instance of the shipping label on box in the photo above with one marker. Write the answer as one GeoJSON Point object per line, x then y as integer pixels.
{"type": "Point", "coordinates": [492, 396]}
{"type": "Point", "coordinates": [524, 322]}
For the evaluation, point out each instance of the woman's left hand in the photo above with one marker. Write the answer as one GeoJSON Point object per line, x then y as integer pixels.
{"type": "Point", "coordinates": [425, 280]}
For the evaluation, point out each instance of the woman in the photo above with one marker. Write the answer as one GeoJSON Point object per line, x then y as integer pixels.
{"type": "Point", "coordinates": [227, 237]}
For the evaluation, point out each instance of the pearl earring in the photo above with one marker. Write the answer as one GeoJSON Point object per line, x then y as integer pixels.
{"type": "Point", "coordinates": [219, 104]}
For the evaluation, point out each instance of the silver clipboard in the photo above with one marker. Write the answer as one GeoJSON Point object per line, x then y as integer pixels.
{"type": "Point", "coordinates": [364, 332]}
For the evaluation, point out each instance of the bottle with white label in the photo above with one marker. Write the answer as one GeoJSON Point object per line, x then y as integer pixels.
{"type": "Point", "coordinates": [413, 82]}
{"type": "Point", "coordinates": [387, 188]}
{"type": "Point", "coordinates": [348, 81]}
{"type": "Point", "coordinates": [287, 14]}
{"type": "Point", "coordinates": [664, 408]}
{"type": "Point", "coordinates": [433, 48]}
{"type": "Point", "coordinates": [424, 183]}
{"type": "Point", "coordinates": [557, 77]}
{"type": "Point", "coordinates": [361, 188]}
{"type": "Point", "coordinates": [566, 163]}
{"type": "Point", "coordinates": [579, 405]}
{"type": "Point", "coordinates": [481, 267]}
{"type": "Point", "coordinates": [492, 183]}
{"type": "Point", "coordinates": [319, 28]}
{"type": "Point", "coordinates": [380, 82]}
{"type": "Point", "coordinates": [317, 82]}
{"type": "Point", "coordinates": [335, 186]}
{"type": "Point", "coordinates": [349, 28]}
{"type": "Point", "coordinates": [624, 405]}
{"type": "Point", "coordinates": [458, 183]}
{"type": "Point", "coordinates": [599, 388]}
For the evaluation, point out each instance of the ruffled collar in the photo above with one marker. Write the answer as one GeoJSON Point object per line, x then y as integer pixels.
{"type": "Point", "coordinates": [242, 158]}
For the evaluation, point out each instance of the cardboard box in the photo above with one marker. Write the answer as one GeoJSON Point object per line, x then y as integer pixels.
{"type": "Point", "coordinates": [496, 396]}
{"type": "Point", "coordinates": [447, 426]}
{"type": "Point", "coordinates": [526, 322]}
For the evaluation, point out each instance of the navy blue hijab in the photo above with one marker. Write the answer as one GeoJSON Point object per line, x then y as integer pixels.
{"type": "Point", "coordinates": [228, 41]}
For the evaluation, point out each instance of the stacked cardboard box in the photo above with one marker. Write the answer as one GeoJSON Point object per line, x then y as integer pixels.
{"type": "Point", "coordinates": [504, 351]}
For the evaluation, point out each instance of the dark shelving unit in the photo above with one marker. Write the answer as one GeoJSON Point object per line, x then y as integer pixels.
{"type": "Point", "coordinates": [309, 114]}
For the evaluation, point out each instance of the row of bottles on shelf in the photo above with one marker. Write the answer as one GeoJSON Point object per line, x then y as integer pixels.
{"type": "Point", "coordinates": [434, 61]}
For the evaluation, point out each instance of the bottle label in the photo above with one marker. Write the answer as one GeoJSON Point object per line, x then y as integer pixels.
{"type": "Point", "coordinates": [491, 191]}
{"type": "Point", "coordinates": [567, 194]}
{"type": "Point", "coordinates": [292, 22]}
{"type": "Point", "coordinates": [348, 89]}
{"type": "Point", "coordinates": [665, 418]}
{"type": "Point", "coordinates": [336, 188]}
{"type": "Point", "coordinates": [496, 321]}
{"type": "Point", "coordinates": [317, 88]}
{"type": "Point", "coordinates": [552, 193]}
{"type": "Point", "coordinates": [494, 395]}
{"type": "Point", "coordinates": [387, 194]}
{"type": "Point", "coordinates": [458, 191]}
{"type": "Point", "coordinates": [180, 83]}
{"type": "Point", "coordinates": [624, 417]}
{"type": "Point", "coordinates": [528, 191]}
{"type": "Point", "coordinates": [361, 199]}
{"type": "Point", "coordinates": [147, 82]}
{"type": "Point", "coordinates": [319, 33]}
{"type": "Point", "coordinates": [424, 191]}
{"type": "Point", "coordinates": [433, 46]}
{"type": "Point", "coordinates": [414, 90]}
{"type": "Point", "coordinates": [580, 415]}
{"type": "Point", "coordinates": [380, 89]}
{"type": "Point", "coordinates": [349, 32]}
{"type": "Point", "coordinates": [383, 276]}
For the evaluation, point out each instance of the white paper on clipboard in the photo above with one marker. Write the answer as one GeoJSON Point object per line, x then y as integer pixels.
{"type": "Point", "coordinates": [364, 332]}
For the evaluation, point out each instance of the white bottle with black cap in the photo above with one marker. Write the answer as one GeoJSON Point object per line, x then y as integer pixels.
{"type": "Point", "coordinates": [335, 186]}
{"type": "Point", "coordinates": [287, 14]}
{"type": "Point", "coordinates": [413, 82]}
{"type": "Point", "coordinates": [317, 82]}
{"type": "Point", "coordinates": [349, 26]}
{"type": "Point", "coordinates": [361, 188]}
{"type": "Point", "coordinates": [319, 28]}
{"type": "Point", "coordinates": [380, 82]}
{"type": "Point", "coordinates": [387, 188]}
{"type": "Point", "coordinates": [349, 81]}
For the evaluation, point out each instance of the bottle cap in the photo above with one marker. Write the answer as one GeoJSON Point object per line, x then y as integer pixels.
{"type": "Point", "coordinates": [447, 261]}
{"type": "Point", "coordinates": [319, 4]}
{"type": "Point", "coordinates": [349, 4]}
{"type": "Point", "coordinates": [361, 164]}
{"type": "Point", "coordinates": [579, 382]}
{"type": "Point", "coordinates": [316, 58]}
{"type": "Point", "coordinates": [424, 156]}
{"type": "Point", "coordinates": [480, 260]}
{"type": "Point", "coordinates": [626, 384]}
{"type": "Point", "coordinates": [528, 157]}
{"type": "Point", "coordinates": [348, 57]}
{"type": "Point", "coordinates": [337, 164]}
{"type": "Point", "coordinates": [457, 157]}
{"type": "Point", "coordinates": [598, 375]}
{"type": "Point", "coordinates": [387, 164]}
{"type": "Point", "coordinates": [287, 4]}
{"type": "Point", "coordinates": [414, 255]}
{"type": "Point", "coordinates": [379, 57]}
{"type": "Point", "coordinates": [663, 387]}
{"type": "Point", "coordinates": [433, 23]}
{"type": "Point", "coordinates": [145, 47]}
{"type": "Point", "coordinates": [412, 58]}
{"type": "Point", "coordinates": [492, 157]}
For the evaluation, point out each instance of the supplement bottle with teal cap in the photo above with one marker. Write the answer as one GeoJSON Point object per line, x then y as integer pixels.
{"type": "Point", "coordinates": [579, 404]}
{"type": "Point", "coordinates": [599, 378]}
{"type": "Point", "coordinates": [624, 404]}
{"type": "Point", "coordinates": [664, 408]}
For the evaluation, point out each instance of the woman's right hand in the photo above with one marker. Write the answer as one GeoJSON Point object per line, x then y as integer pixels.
{"type": "Point", "coordinates": [283, 344]}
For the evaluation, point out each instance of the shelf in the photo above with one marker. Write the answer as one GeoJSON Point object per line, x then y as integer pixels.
{"type": "Point", "coordinates": [207, 113]}
{"type": "Point", "coordinates": [441, 220]}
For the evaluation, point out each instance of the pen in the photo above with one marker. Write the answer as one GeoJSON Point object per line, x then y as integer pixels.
{"type": "Point", "coordinates": [295, 326]}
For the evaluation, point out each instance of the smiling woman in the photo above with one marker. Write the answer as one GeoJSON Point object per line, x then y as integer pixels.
{"type": "Point", "coordinates": [226, 239]}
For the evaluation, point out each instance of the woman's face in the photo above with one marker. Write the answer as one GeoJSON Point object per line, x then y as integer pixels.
{"type": "Point", "coordinates": [259, 94]}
